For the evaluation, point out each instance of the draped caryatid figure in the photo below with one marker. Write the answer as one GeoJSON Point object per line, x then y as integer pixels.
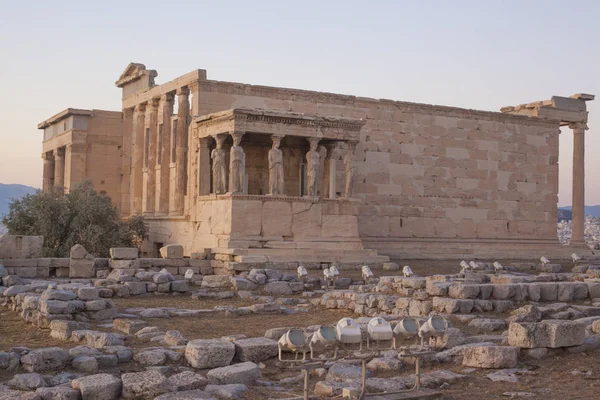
{"type": "Point", "coordinates": [313, 173]}
{"type": "Point", "coordinates": [219, 167]}
{"type": "Point", "coordinates": [350, 166]}
{"type": "Point", "coordinates": [237, 165]}
{"type": "Point", "coordinates": [276, 167]}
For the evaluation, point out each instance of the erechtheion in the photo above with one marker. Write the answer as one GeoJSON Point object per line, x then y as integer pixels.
{"type": "Point", "coordinates": [261, 173]}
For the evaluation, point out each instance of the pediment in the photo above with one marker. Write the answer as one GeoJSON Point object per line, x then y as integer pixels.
{"type": "Point", "coordinates": [133, 72]}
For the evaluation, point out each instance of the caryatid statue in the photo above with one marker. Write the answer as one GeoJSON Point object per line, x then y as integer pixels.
{"type": "Point", "coordinates": [276, 167]}
{"type": "Point", "coordinates": [313, 161]}
{"type": "Point", "coordinates": [350, 166]}
{"type": "Point", "coordinates": [237, 165]}
{"type": "Point", "coordinates": [219, 167]}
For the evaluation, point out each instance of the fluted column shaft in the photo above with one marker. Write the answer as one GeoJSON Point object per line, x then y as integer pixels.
{"type": "Point", "coordinates": [181, 149]}
{"type": "Point", "coordinates": [59, 167]}
{"type": "Point", "coordinates": [48, 171]}
{"type": "Point", "coordinates": [150, 156]}
{"type": "Point", "coordinates": [165, 152]}
{"type": "Point", "coordinates": [578, 204]}
{"type": "Point", "coordinates": [137, 167]}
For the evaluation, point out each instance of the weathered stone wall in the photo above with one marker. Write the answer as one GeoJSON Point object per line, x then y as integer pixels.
{"type": "Point", "coordinates": [431, 172]}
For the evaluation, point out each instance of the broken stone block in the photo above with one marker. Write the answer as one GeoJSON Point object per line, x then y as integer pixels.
{"type": "Point", "coordinates": [62, 330]}
{"type": "Point", "coordinates": [278, 288]}
{"type": "Point", "coordinates": [255, 349]}
{"type": "Point", "coordinates": [503, 292]}
{"type": "Point", "coordinates": [30, 381]}
{"type": "Point", "coordinates": [123, 253]}
{"type": "Point", "coordinates": [46, 359]}
{"type": "Point", "coordinates": [414, 282]}
{"type": "Point", "coordinates": [58, 393]}
{"type": "Point", "coordinates": [88, 293]}
{"type": "Point", "coordinates": [180, 286]}
{"type": "Point", "coordinates": [211, 353]}
{"type": "Point", "coordinates": [548, 333]}
{"type": "Point", "coordinates": [148, 384]}
{"type": "Point", "coordinates": [98, 387]}
{"type": "Point", "coordinates": [78, 252]}
{"type": "Point", "coordinates": [461, 291]}
{"type": "Point", "coordinates": [187, 380]}
{"type": "Point", "coordinates": [175, 338]}
{"type": "Point", "coordinates": [452, 306]}
{"type": "Point", "coordinates": [136, 288]}
{"type": "Point", "coordinates": [487, 324]}
{"type": "Point", "coordinates": [233, 391]}
{"type": "Point", "coordinates": [128, 326]}
{"type": "Point", "coordinates": [81, 268]}
{"type": "Point", "coordinates": [245, 373]}
{"type": "Point", "coordinates": [102, 339]}
{"type": "Point", "coordinates": [171, 251]}
{"type": "Point", "coordinates": [151, 357]}
{"type": "Point", "coordinates": [491, 357]}
{"type": "Point", "coordinates": [62, 295]}
{"type": "Point", "coordinates": [528, 313]}
{"type": "Point", "coordinates": [86, 364]}
{"type": "Point", "coordinates": [9, 360]}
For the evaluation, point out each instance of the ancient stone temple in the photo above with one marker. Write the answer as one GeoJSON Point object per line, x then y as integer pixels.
{"type": "Point", "coordinates": [264, 173]}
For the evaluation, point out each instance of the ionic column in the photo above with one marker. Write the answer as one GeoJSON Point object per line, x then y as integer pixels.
{"type": "Point", "coordinates": [137, 164]}
{"type": "Point", "coordinates": [329, 178]}
{"type": "Point", "coordinates": [59, 167]}
{"type": "Point", "coordinates": [151, 120]}
{"type": "Point", "coordinates": [48, 175]}
{"type": "Point", "coordinates": [165, 152]}
{"type": "Point", "coordinates": [181, 149]}
{"type": "Point", "coordinates": [578, 204]}
{"type": "Point", "coordinates": [237, 165]}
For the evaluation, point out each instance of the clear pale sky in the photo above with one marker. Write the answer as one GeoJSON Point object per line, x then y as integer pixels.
{"type": "Point", "coordinates": [472, 54]}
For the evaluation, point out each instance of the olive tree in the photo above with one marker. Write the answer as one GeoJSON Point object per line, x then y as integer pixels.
{"type": "Point", "coordinates": [81, 216]}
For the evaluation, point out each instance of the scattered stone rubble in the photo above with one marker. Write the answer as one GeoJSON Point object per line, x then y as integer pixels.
{"type": "Point", "coordinates": [117, 354]}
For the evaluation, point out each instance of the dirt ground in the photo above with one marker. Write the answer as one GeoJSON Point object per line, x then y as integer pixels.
{"type": "Point", "coordinates": [217, 325]}
{"type": "Point", "coordinates": [180, 301]}
{"type": "Point", "coordinates": [16, 332]}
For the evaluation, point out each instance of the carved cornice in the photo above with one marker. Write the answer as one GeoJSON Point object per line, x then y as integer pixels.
{"type": "Point", "coordinates": [276, 117]}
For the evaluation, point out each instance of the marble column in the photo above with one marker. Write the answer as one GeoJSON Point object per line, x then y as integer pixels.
{"type": "Point", "coordinates": [237, 165]}
{"type": "Point", "coordinates": [166, 102]}
{"type": "Point", "coordinates": [59, 167]}
{"type": "Point", "coordinates": [151, 119]}
{"type": "Point", "coordinates": [137, 164]}
{"type": "Point", "coordinates": [48, 171]}
{"type": "Point", "coordinates": [578, 203]}
{"type": "Point", "coordinates": [181, 149]}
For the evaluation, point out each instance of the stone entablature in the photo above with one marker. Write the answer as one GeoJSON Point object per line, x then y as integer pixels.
{"type": "Point", "coordinates": [272, 122]}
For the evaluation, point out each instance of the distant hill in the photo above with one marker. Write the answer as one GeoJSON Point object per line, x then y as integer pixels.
{"type": "Point", "coordinates": [594, 211]}
{"type": "Point", "coordinates": [9, 192]}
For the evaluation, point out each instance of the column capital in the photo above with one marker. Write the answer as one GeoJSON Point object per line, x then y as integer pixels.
{"type": "Point", "coordinates": [330, 147]}
{"type": "Point", "coordinates": [47, 156]}
{"type": "Point", "coordinates": [153, 104]}
{"type": "Point", "coordinates": [183, 91]}
{"type": "Point", "coordinates": [237, 137]}
{"type": "Point", "coordinates": [140, 107]}
{"type": "Point", "coordinates": [167, 97]}
{"type": "Point", "coordinates": [59, 152]}
{"type": "Point", "coordinates": [578, 126]}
